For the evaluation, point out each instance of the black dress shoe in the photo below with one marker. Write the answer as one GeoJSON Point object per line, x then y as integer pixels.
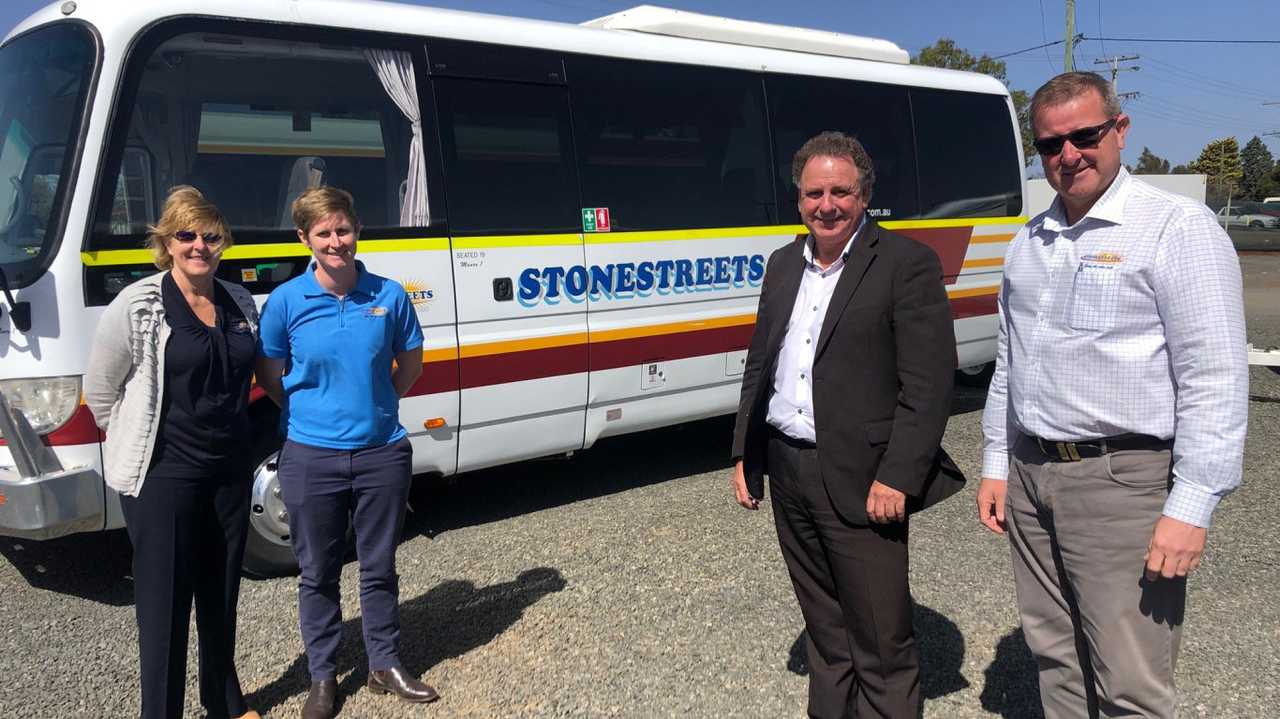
{"type": "Point", "coordinates": [320, 702]}
{"type": "Point", "coordinates": [403, 684]}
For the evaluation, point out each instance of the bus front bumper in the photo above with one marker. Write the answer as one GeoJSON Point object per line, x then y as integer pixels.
{"type": "Point", "coordinates": [50, 505]}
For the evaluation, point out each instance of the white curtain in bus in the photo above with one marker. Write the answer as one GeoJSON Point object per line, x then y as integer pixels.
{"type": "Point", "coordinates": [395, 69]}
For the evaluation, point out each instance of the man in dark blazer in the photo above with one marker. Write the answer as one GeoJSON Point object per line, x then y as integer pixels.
{"type": "Point", "coordinates": [845, 395]}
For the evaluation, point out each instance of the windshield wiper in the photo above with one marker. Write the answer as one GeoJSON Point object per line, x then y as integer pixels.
{"type": "Point", "coordinates": [19, 312]}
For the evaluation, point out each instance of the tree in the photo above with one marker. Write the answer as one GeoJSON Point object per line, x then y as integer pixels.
{"type": "Point", "coordinates": [1257, 164]}
{"type": "Point", "coordinates": [944, 53]}
{"type": "Point", "coordinates": [1219, 161]}
{"type": "Point", "coordinates": [1181, 170]}
{"type": "Point", "coordinates": [1150, 164]}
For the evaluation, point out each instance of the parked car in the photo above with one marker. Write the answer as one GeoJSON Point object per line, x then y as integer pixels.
{"type": "Point", "coordinates": [1241, 217]}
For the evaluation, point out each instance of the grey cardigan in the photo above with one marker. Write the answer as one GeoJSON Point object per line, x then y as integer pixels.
{"type": "Point", "coordinates": [124, 384]}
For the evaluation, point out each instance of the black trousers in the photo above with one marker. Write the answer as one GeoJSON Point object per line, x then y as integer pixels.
{"type": "Point", "coordinates": [188, 539]}
{"type": "Point", "coordinates": [851, 582]}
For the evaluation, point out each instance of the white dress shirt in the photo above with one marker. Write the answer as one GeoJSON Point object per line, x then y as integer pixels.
{"type": "Point", "coordinates": [791, 404]}
{"type": "Point", "coordinates": [1129, 320]}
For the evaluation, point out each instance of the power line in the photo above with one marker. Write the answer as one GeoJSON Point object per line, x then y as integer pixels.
{"type": "Point", "coordinates": [1186, 40]}
{"type": "Point", "coordinates": [1037, 47]}
{"type": "Point", "coordinates": [1207, 79]}
{"type": "Point", "coordinates": [1100, 42]}
{"type": "Point", "coordinates": [1044, 35]}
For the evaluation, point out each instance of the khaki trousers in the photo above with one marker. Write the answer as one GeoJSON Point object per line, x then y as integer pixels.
{"type": "Point", "coordinates": [1105, 639]}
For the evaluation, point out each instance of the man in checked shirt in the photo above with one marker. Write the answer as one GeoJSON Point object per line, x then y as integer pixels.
{"type": "Point", "coordinates": [1115, 420]}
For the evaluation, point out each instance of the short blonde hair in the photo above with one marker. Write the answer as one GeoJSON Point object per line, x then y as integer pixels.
{"type": "Point", "coordinates": [319, 202]}
{"type": "Point", "coordinates": [184, 209]}
{"type": "Point", "coordinates": [1070, 85]}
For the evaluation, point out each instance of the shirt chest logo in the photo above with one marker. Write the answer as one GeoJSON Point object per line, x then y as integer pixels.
{"type": "Point", "coordinates": [375, 311]}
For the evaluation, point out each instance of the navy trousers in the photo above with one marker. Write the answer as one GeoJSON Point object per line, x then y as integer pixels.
{"type": "Point", "coordinates": [188, 538]}
{"type": "Point", "coordinates": [322, 489]}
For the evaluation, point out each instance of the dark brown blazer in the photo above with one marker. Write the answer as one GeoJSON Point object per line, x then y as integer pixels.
{"type": "Point", "coordinates": [882, 373]}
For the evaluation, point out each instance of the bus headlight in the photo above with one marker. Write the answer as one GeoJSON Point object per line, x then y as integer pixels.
{"type": "Point", "coordinates": [46, 402]}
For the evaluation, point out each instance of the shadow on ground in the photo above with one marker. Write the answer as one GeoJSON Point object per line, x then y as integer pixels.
{"type": "Point", "coordinates": [1010, 686]}
{"type": "Point", "coordinates": [941, 654]}
{"type": "Point", "coordinates": [95, 566]}
{"type": "Point", "coordinates": [447, 621]}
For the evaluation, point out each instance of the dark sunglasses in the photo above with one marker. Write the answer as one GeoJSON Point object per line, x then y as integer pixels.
{"type": "Point", "coordinates": [1085, 138]}
{"type": "Point", "coordinates": [210, 238]}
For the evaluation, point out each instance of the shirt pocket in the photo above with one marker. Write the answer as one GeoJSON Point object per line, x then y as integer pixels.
{"type": "Point", "coordinates": [1094, 295]}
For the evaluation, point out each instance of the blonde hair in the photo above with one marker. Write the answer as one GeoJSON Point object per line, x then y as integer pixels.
{"type": "Point", "coordinates": [319, 202]}
{"type": "Point", "coordinates": [184, 209]}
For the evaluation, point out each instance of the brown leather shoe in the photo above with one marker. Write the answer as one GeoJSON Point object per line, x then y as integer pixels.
{"type": "Point", "coordinates": [403, 684]}
{"type": "Point", "coordinates": [321, 701]}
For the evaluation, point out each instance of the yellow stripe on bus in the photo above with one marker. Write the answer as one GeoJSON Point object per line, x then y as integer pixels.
{"type": "Point", "coordinates": [990, 239]}
{"type": "Point", "coordinates": [710, 233]}
{"type": "Point", "coordinates": [483, 243]}
{"type": "Point", "coordinates": [973, 292]}
{"type": "Point", "coordinates": [959, 222]}
{"type": "Point", "coordinates": [266, 251]}
{"type": "Point", "coordinates": [627, 333]}
{"type": "Point", "coordinates": [983, 262]}
{"type": "Point", "coordinates": [99, 258]}
{"type": "Point", "coordinates": [482, 349]}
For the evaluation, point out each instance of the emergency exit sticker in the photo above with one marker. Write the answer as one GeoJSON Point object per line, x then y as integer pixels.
{"type": "Point", "coordinates": [595, 219]}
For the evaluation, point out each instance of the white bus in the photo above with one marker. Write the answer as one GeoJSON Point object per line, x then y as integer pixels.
{"type": "Point", "coordinates": [580, 213]}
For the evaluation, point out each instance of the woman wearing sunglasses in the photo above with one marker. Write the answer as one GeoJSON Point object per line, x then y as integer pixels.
{"type": "Point", "coordinates": [168, 380]}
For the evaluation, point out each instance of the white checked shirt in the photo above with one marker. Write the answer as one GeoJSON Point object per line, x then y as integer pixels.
{"type": "Point", "coordinates": [1130, 320]}
{"type": "Point", "coordinates": [791, 405]}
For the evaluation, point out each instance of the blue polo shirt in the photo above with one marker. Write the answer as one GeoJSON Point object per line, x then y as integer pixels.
{"type": "Point", "coordinates": [338, 388]}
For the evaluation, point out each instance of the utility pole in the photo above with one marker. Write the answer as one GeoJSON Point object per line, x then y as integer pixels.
{"type": "Point", "coordinates": [1114, 63]}
{"type": "Point", "coordinates": [1068, 60]}
{"type": "Point", "coordinates": [1126, 96]}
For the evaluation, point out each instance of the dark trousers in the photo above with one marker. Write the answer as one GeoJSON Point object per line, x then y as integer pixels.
{"type": "Point", "coordinates": [188, 541]}
{"type": "Point", "coordinates": [851, 582]}
{"type": "Point", "coordinates": [323, 489]}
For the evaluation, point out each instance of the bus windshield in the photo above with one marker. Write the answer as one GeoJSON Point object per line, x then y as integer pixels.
{"type": "Point", "coordinates": [44, 79]}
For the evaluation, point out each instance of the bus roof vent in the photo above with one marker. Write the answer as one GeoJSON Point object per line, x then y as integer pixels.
{"type": "Point", "coordinates": [680, 23]}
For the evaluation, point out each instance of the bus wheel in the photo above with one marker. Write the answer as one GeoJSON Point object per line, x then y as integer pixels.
{"type": "Point", "coordinates": [976, 375]}
{"type": "Point", "coordinates": [267, 551]}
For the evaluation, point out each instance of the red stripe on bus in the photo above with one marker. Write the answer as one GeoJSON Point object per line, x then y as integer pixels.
{"type": "Point", "coordinates": [951, 244]}
{"type": "Point", "coordinates": [80, 429]}
{"type": "Point", "coordinates": [977, 306]}
{"type": "Point", "coordinates": [677, 345]}
{"type": "Point", "coordinates": [436, 377]}
{"type": "Point", "coordinates": [523, 365]}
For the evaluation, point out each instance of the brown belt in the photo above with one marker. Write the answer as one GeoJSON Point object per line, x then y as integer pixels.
{"type": "Point", "coordinates": [1056, 451]}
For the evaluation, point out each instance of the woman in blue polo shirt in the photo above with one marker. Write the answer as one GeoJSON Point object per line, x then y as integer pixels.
{"type": "Point", "coordinates": [328, 339]}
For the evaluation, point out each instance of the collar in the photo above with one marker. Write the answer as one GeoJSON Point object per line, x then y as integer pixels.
{"type": "Point", "coordinates": [365, 283]}
{"type": "Point", "coordinates": [1108, 208]}
{"type": "Point", "coordinates": [844, 254]}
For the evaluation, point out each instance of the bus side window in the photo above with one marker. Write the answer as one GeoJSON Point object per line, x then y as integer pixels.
{"type": "Point", "coordinates": [667, 146]}
{"type": "Point", "coordinates": [878, 115]}
{"type": "Point", "coordinates": [968, 154]}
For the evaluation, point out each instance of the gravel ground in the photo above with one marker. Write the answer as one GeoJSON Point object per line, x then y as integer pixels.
{"type": "Point", "coordinates": [625, 582]}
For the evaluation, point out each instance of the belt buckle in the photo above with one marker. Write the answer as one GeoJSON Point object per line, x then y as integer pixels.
{"type": "Point", "coordinates": [1067, 451]}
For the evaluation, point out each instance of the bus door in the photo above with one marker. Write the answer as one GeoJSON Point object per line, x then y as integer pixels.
{"type": "Point", "coordinates": [513, 208]}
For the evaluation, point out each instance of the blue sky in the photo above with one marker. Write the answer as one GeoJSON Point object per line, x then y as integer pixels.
{"type": "Point", "coordinates": [1190, 93]}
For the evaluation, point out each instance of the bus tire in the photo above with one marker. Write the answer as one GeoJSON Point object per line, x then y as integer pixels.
{"type": "Point", "coordinates": [976, 376]}
{"type": "Point", "coordinates": [267, 549]}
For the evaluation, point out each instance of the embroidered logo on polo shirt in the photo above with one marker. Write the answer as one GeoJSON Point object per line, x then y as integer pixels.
{"type": "Point", "coordinates": [375, 311]}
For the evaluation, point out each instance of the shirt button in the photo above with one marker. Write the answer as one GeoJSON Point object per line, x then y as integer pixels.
{"type": "Point", "coordinates": [802, 375]}
{"type": "Point", "coordinates": [815, 308]}
{"type": "Point", "coordinates": [799, 411]}
{"type": "Point", "coordinates": [807, 340]}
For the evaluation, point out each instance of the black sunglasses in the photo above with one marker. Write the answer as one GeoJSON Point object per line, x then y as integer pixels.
{"type": "Point", "coordinates": [210, 238]}
{"type": "Point", "coordinates": [1085, 138]}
